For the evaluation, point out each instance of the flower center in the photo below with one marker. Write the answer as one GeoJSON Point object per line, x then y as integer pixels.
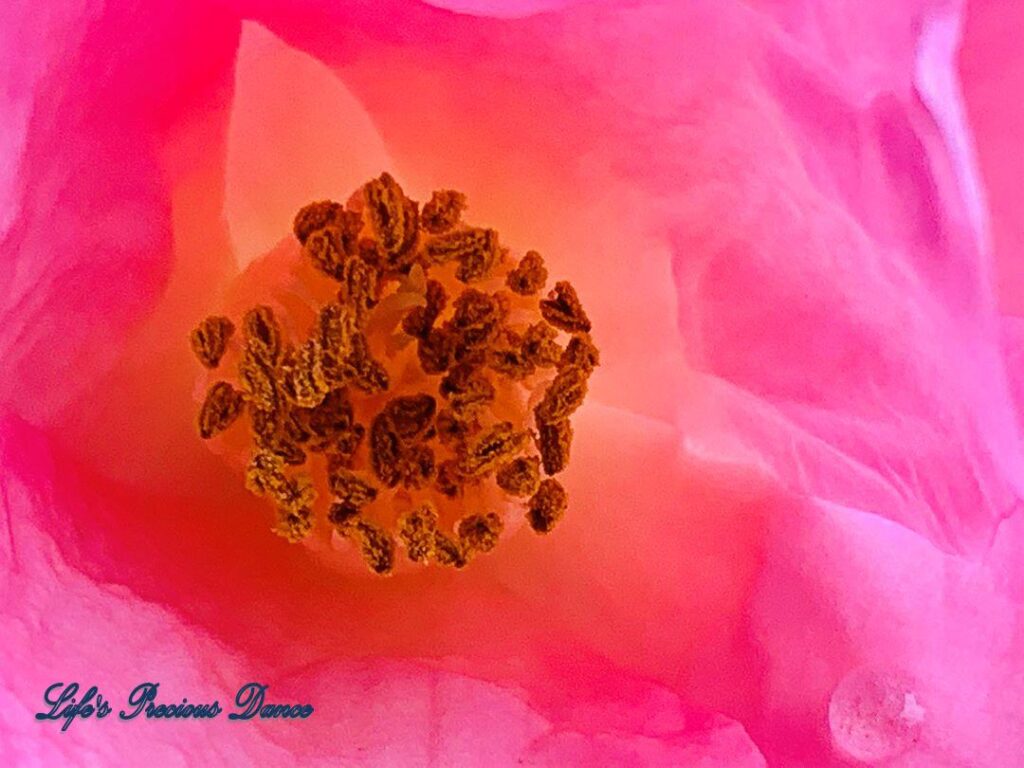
{"type": "Point", "coordinates": [432, 391]}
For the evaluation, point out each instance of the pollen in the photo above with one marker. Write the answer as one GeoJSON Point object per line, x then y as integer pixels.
{"type": "Point", "coordinates": [529, 276]}
{"type": "Point", "coordinates": [220, 409]}
{"type": "Point", "coordinates": [210, 340]}
{"type": "Point", "coordinates": [424, 402]}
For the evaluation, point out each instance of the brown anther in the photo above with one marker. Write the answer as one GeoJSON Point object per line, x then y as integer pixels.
{"type": "Point", "coordinates": [294, 524]}
{"type": "Point", "coordinates": [562, 397]}
{"type": "Point", "coordinates": [547, 506]}
{"type": "Point", "coordinates": [453, 427]}
{"type": "Point", "coordinates": [437, 298]}
{"type": "Point", "coordinates": [449, 478]}
{"type": "Point", "coordinates": [476, 251]}
{"type": "Point", "coordinates": [326, 421]}
{"type": "Point", "coordinates": [345, 352]}
{"type": "Point", "coordinates": [315, 216]}
{"type": "Point", "coordinates": [420, 320]}
{"type": "Point", "coordinates": [477, 319]}
{"type": "Point", "coordinates": [330, 426]}
{"type": "Point", "coordinates": [288, 450]}
{"type": "Point", "coordinates": [385, 451]}
{"type": "Point", "coordinates": [417, 529]}
{"type": "Point", "coordinates": [529, 275]}
{"type": "Point", "coordinates": [265, 476]}
{"type": "Point", "coordinates": [417, 467]}
{"type": "Point", "coordinates": [376, 546]}
{"type": "Point", "coordinates": [347, 486]}
{"type": "Point", "coordinates": [326, 250]}
{"type": "Point", "coordinates": [222, 406]}
{"type": "Point", "coordinates": [394, 454]}
{"type": "Point", "coordinates": [520, 477]}
{"type": "Point", "coordinates": [265, 473]}
{"type": "Point", "coordinates": [345, 444]}
{"type": "Point", "coordinates": [259, 385]}
{"type": "Point", "coordinates": [443, 211]}
{"type": "Point", "coordinates": [417, 322]}
{"type": "Point", "coordinates": [336, 330]}
{"type": "Point", "coordinates": [393, 218]}
{"type": "Point", "coordinates": [262, 335]}
{"type": "Point", "coordinates": [479, 533]}
{"type": "Point", "coordinates": [491, 449]}
{"type": "Point", "coordinates": [360, 288]}
{"type": "Point", "coordinates": [327, 213]}
{"type": "Point", "coordinates": [562, 308]}
{"type": "Point", "coordinates": [539, 345]}
{"type": "Point", "coordinates": [477, 263]}
{"type": "Point", "coordinates": [449, 552]}
{"type": "Point", "coordinates": [411, 417]}
{"type": "Point", "coordinates": [436, 351]}
{"type": "Point", "coordinates": [342, 516]}
{"type": "Point", "coordinates": [278, 433]}
{"type": "Point", "coordinates": [267, 425]}
{"type": "Point", "coordinates": [488, 351]}
{"type": "Point", "coordinates": [295, 424]}
{"type": "Point", "coordinates": [296, 493]}
{"type": "Point", "coordinates": [209, 339]}
{"type": "Point", "coordinates": [554, 441]}
{"type": "Point", "coordinates": [466, 389]}
{"type": "Point", "coordinates": [304, 380]}
{"type": "Point", "coordinates": [580, 353]}
{"type": "Point", "coordinates": [508, 358]}
{"type": "Point", "coordinates": [370, 375]}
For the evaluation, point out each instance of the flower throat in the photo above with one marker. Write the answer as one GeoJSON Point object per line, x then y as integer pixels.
{"type": "Point", "coordinates": [431, 396]}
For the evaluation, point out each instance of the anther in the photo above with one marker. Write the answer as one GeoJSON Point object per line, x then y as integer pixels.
{"type": "Point", "coordinates": [562, 308]}
{"type": "Point", "coordinates": [209, 339]}
{"type": "Point", "coordinates": [409, 438]}
{"type": "Point", "coordinates": [529, 275]}
{"type": "Point", "coordinates": [443, 211]}
{"type": "Point", "coordinates": [547, 506]}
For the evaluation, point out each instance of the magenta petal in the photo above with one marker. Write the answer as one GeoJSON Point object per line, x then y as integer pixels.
{"type": "Point", "coordinates": [992, 68]}
{"type": "Point", "coordinates": [99, 96]}
{"type": "Point", "coordinates": [841, 308]}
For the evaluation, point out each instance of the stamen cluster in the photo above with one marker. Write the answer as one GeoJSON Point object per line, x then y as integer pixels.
{"type": "Point", "coordinates": [436, 379]}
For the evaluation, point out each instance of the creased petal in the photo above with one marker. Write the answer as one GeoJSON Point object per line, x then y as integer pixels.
{"type": "Point", "coordinates": [101, 102]}
{"type": "Point", "coordinates": [845, 318]}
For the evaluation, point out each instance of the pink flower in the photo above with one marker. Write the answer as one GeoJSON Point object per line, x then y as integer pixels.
{"type": "Point", "coordinates": [794, 530]}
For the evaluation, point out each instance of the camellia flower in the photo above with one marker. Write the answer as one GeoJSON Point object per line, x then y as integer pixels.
{"type": "Point", "coordinates": [792, 534]}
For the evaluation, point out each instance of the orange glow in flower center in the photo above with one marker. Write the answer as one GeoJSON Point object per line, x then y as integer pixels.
{"type": "Point", "coordinates": [433, 388]}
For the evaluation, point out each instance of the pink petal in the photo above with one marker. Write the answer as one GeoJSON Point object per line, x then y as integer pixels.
{"type": "Point", "coordinates": [992, 68]}
{"type": "Point", "coordinates": [841, 308]}
{"type": "Point", "coordinates": [66, 623]}
{"type": "Point", "coordinates": [806, 175]}
{"type": "Point", "coordinates": [101, 128]}
{"type": "Point", "coordinates": [850, 603]}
